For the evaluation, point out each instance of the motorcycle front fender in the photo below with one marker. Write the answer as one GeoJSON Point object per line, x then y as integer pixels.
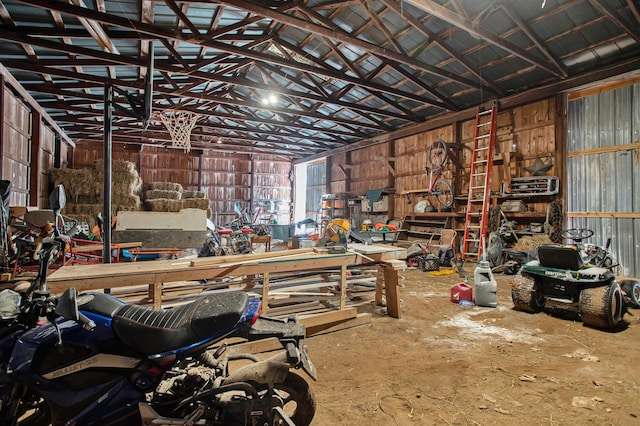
{"type": "Point", "coordinates": [266, 372]}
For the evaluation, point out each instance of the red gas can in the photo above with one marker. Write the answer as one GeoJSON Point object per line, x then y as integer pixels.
{"type": "Point", "coordinates": [461, 291]}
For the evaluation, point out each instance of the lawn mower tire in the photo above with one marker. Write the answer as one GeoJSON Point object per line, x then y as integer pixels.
{"type": "Point", "coordinates": [602, 307]}
{"type": "Point", "coordinates": [631, 290]}
{"type": "Point", "coordinates": [526, 295]}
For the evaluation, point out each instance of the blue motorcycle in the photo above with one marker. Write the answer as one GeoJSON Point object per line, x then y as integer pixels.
{"type": "Point", "coordinates": [91, 359]}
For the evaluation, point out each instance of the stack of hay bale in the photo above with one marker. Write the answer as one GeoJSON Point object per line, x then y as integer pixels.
{"type": "Point", "coordinates": [84, 188]}
{"type": "Point", "coordinates": [170, 197]}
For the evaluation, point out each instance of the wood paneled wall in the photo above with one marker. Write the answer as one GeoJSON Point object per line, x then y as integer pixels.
{"type": "Point", "coordinates": [16, 147]}
{"type": "Point", "coordinates": [524, 133]}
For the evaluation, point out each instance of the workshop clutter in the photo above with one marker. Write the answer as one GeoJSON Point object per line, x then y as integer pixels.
{"type": "Point", "coordinates": [419, 257]}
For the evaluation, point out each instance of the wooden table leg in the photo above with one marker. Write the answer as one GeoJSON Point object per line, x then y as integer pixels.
{"type": "Point", "coordinates": [343, 286]}
{"type": "Point", "coordinates": [155, 294]}
{"type": "Point", "coordinates": [379, 286]}
{"type": "Point", "coordinates": [392, 291]}
{"type": "Point", "coordinates": [265, 293]}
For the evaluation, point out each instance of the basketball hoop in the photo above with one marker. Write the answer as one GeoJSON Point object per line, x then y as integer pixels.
{"type": "Point", "coordinates": [179, 124]}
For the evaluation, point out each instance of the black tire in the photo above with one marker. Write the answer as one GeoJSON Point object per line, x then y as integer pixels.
{"type": "Point", "coordinates": [602, 306]}
{"type": "Point", "coordinates": [631, 288]}
{"type": "Point", "coordinates": [298, 400]}
{"type": "Point", "coordinates": [29, 414]}
{"type": "Point", "coordinates": [438, 154]}
{"type": "Point", "coordinates": [526, 294]}
{"type": "Point", "coordinates": [443, 192]}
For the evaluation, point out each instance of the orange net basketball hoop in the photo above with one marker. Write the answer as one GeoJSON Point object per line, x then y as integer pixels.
{"type": "Point", "coordinates": [179, 124]}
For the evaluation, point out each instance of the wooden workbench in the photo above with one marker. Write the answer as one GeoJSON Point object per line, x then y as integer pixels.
{"type": "Point", "coordinates": [158, 272]}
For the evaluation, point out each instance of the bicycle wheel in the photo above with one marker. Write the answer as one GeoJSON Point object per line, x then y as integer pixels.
{"type": "Point", "coordinates": [443, 192]}
{"type": "Point", "coordinates": [438, 154]}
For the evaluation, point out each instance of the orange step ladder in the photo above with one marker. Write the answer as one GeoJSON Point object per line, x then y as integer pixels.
{"type": "Point", "coordinates": [477, 212]}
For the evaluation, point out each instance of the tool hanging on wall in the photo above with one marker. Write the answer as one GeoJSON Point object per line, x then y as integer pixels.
{"type": "Point", "coordinates": [477, 212]}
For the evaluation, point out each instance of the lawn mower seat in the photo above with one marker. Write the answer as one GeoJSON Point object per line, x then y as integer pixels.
{"type": "Point", "coordinates": [559, 257]}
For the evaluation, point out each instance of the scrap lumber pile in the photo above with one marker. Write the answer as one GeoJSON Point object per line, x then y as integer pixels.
{"type": "Point", "coordinates": [325, 289]}
{"type": "Point", "coordinates": [313, 295]}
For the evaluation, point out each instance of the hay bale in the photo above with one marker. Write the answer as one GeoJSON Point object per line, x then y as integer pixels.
{"type": "Point", "coordinates": [192, 194]}
{"type": "Point", "coordinates": [78, 183]}
{"type": "Point", "coordinates": [195, 203]}
{"type": "Point", "coordinates": [162, 193]}
{"type": "Point", "coordinates": [165, 186]}
{"type": "Point", "coordinates": [85, 186]}
{"type": "Point", "coordinates": [529, 242]}
{"type": "Point", "coordinates": [163, 205]}
{"type": "Point", "coordinates": [124, 178]}
{"type": "Point", "coordinates": [129, 202]}
{"type": "Point", "coordinates": [73, 209]}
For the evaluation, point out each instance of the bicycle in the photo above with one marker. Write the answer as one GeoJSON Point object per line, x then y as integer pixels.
{"type": "Point", "coordinates": [437, 186]}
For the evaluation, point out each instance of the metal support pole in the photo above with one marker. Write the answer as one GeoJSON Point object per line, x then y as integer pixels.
{"type": "Point", "coordinates": [106, 191]}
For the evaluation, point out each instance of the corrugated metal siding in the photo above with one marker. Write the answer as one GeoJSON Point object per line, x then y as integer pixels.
{"type": "Point", "coordinates": [606, 181]}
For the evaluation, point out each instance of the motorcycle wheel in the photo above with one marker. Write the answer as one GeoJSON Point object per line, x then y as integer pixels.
{"type": "Point", "coordinates": [298, 401]}
{"type": "Point", "coordinates": [27, 416]}
{"type": "Point", "coordinates": [632, 291]}
{"type": "Point", "coordinates": [602, 306]}
{"type": "Point", "coordinates": [526, 294]}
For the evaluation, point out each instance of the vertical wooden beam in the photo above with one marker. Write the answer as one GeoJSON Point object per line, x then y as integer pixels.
{"type": "Point", "coordinates": [140, 155]}
{"type": "Point", "coordinates": [265, 292]}
{"type": "Point", "coordinates": [252, 184]}
{"type": "Point", "coordinates": [391, 182]}
{"type": "Point", "coordinates": [343, 287]}
{"type": "Point", "coordinates": [36, 159]}
{"type": "Point", "coordinates": [57, 152]}
{"type": "Point", "coordinates": [328, 164]}
{"type": "Point", "coordinates": [347, 176]}
{"type": "Point", "coordinates": [200, 158]}
{"type": "Point", "coordinates": [3, 87]}
{"type": "Point", "coordinates": [457, 174]}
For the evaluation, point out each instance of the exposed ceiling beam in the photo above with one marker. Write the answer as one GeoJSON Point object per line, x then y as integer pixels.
{"type": "Point", "coordinates": [472, 28]}
{"type": "Point", "coordinates": [615, 17]}
{"type": "Point", "coordinates": [339, 35]}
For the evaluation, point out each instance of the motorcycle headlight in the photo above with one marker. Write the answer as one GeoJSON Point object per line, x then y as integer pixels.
{"type": "Point", "coordinates": [9, 304]}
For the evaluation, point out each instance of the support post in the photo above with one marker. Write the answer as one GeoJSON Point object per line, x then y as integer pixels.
{"type": "Point", "coordinates": [106, 189]}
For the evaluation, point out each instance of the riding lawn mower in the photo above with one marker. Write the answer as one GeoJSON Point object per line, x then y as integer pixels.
{"type": "Point", "coordinates": [575, 279]}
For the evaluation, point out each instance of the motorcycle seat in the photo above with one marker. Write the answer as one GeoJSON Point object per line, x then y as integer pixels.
{"type": "Point", "coordinates": [225, 231]}
{"type": "Point", "coordinates": [153, 331]}
{"type": "Point", "coordinates": [559, 257]}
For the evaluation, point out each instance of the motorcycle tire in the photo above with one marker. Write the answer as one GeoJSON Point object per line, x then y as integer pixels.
{"type": "Point", "coordinates": [602, 307]}
{"type": "Point", "coordinates": [526, 294]}
{"type": "Point", "coordinates": [28, 416]}
{"type": "Point", "coordinates": [298, 400]}
{"type": "Point", "coordinates": [632, 290]}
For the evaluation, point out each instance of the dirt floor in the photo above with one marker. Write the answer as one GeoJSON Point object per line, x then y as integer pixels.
{"type": "Point", "coordinates": [440, 364]}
